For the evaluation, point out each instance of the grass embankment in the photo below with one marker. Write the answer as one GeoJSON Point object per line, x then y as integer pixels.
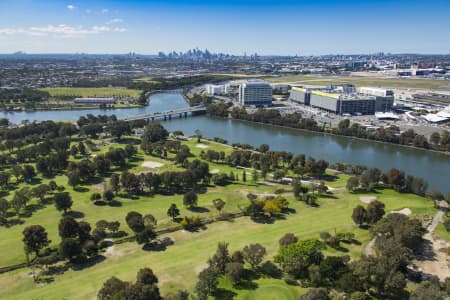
{"type": "Point", "coordinates": [364, 81]}
{"type": "Point", "coordinates": [91, 92]}
{"type": "Point", "coordinates": [178, 265]}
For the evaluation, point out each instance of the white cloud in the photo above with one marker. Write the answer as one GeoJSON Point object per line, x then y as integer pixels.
{"type": "Point", "coordinates": [60, 30]}
{"type": "Point", "coordinates": [116, 20]}
{"type": "Point", "coordinates": [71, 7]}
{"type": "Point", "coordinates": [88, 11]}
{"type": "Point", "coordinates": [104, 11]}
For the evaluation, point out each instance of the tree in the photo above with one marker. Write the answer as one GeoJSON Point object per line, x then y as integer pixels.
{"type": "Point", "coordinates": [70, 248]}
{"type": "Point", "coordinates": [154, 132]}
{"type": "Point", "coordinates": [190, 199]}
{"type": "Point", "coordinates": [219, 204]}
{"type": "Point", "coordinates": [115, 182]}
{"type": "Point", "coordinates": [74, 178]}
{"type": "Point", "coordinates": [375, 211]}
{"type": "Point", "coordinates": [428, 290]}
{"type": "Point", "coordinates": [4, 206]}
{"type": "Point", "coordinates": [68, 227]}
{"type": "Point", "coordinates": [235, 272]}
{"type": "Point", "coordinates": [173, 211]}
{"type": "Point", "coordinates": [244, 176]}
{"type": "Point", "coordinates": [19, 200]}
{"type": "Point", "coordinates": [35, 238]}
{"type": "Point", "coordinates": [263, 148]}
{"type": "Point", "coordinates": [359, 215]}
{"type": "Point", "coordinates": [63, 201]}
{"type": "Point", "coordinates": [352, 183]}
{"type": "Point", "coordinates": [135, 221]}
{"type": "Point", "coordinates": [146, 276]}
{"type": "Point", "coordinates": [112, 287]}
{"type": "Point", "coordinates": [255, 176]}
{"type": "Point", "coordinates": [295, 259]}
{"type": "Point", "coordinates": [287, 239]}
{"type": "Point", "coordinates": [220, 259]}
{"type": "Point", "coordinates": [316, 293]}
{"type": "Point", "coordinates": [254, 254]}
{"type": "Point", "coordinates": [40, 191]}
{"type": "Point", "coordinates": [207, 283]}
{"type": "Point", "coordinates": [108, 195]}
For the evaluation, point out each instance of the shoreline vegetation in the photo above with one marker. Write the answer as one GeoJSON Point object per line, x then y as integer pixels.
{"type": "Point", "coordinates": [109, 204]}
{"type": "Point", "coordinates": [389, 135]}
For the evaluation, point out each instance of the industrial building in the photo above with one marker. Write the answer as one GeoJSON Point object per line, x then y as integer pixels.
{"type": "Point", "coordinates": [345, 99]}
{"type": "Point", "coordinates": [343, 103]}
{"type": "Point", "coordinates": [384, 98]}
{"type": "Point", "coordinates": [256, 94]}
{"type": "Point", "coordinates": [102, 100]}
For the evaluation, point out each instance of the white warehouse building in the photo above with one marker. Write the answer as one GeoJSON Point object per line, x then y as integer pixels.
{"type": "Point", "coordinates": [212, 89]}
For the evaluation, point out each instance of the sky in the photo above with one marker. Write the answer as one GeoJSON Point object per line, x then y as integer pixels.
{"type": "Point", "coordinates": [266, 27]}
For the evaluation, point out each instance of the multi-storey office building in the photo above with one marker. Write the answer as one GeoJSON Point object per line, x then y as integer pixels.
{"type": "Point", "coordinates": [257, 94]}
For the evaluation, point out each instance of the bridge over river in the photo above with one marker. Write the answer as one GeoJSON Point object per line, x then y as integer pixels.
{"type": "Point", "coordinates": [182, 112]}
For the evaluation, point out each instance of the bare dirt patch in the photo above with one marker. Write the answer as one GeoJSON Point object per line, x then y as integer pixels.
{"type": "Point", "coordinates": [406, 211]}
{"type": "Point", "coordinates": [434, 260]}
{"type": "Point", "coordinates": [98, 187]}
{"type": "Point", "coordinates": [201, 146]}
{"type": "Point", "coordinates": [367, 199]}
{"type": "Point", "coordinates": [152, 164]}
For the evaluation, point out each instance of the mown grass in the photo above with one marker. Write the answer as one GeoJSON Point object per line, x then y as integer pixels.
{"type": "Point", "coordinates": [178, 265]}
{"type": "Point", "coordinates": [91, 92]}
{"type": "Point", "coordinates": [364, 81]}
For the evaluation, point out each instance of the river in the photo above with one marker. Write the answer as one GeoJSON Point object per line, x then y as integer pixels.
{"type": "Point", "coordinates": [433, 167]}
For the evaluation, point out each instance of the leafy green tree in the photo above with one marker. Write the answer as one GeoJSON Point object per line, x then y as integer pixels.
{"type": "Point", "coordinates": [295, 259]}
{"type": "Point", "coordinates": [220, 259]}
{"type": "Point", "coordinates": [359, 215]}
{"type": "Point", "coordinates": [115, 182]}
{"type": "Point", "coordinates": [63, 201]}
{"type": "Point", "coordinates": [35, 238]}
{"type": "Point", "coordinates": [70, 248]}
{"type": "Point", "coordinates": [207, 283]}
{"type": "Point", "coordinates": [316, 293]}
{"type": "Point", "coordinates": [352, 183]}
{"type": "Point", "coordinates": [68, 227]}
{"type": "Point", "coordinates": [219, 204]}
{"type": "Point", "coordinates": [235, 272]}
{"type": "Point", "coordinates": [375, 211]}
{"type": "Point", "coordinates": [254, 254]}
{"type": "Point", "coordinates": [173, 211]}
{"type": "Point", "coordinates": [190, 199]}
{"type": "Point", "coordinates": [135, 221]}
{"type": "Point", "coordinates": [287, 239]}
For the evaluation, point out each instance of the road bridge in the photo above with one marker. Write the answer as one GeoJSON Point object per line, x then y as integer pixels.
{"type": "Point", "coordinates": [181, 112]}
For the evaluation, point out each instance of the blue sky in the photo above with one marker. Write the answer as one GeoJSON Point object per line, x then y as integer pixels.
{"type": "Point", "coordinates": [266, 27]}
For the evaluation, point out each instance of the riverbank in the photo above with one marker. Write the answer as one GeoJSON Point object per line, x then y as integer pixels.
{"type": "Point", "coordinates": [337, 135]}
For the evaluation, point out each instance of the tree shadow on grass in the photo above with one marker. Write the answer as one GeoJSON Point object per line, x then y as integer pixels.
{"type": "Point", "coordinates": [75, 214]}
{"type": "Point", "coordinates": [328, 196]}
{"type": "Point", "coordinates": [199, 209]}
{"type": "Point", "coordinates": [14, 222]}
{"type": "Point", "coordinates": [224, 294]}
{"type": "Point", "coordinates": [159, 245]}
{"type": "Point", "coordinates": [81, 189]}
{"type": "Point", "coordinates": [91, 262]}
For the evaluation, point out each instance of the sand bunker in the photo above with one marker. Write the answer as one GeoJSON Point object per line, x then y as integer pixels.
{"type": "Point", "coordinates": [406, 211]}
{"type": "Point", "coordinates": [201, 146]}
{"type": "Point", "coordinates": [214, 171]}
{"type": "Point", "coordinates": [367, 199]}
{"type": "Point", "coordinates": [152, 164]}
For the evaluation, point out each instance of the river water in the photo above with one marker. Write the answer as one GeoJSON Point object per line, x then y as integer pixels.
{"type": "Point", "coordinates": [433, 167]}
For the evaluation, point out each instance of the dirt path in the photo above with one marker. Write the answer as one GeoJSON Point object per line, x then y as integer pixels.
{"type": "Point", "coordinates": [433, 259]}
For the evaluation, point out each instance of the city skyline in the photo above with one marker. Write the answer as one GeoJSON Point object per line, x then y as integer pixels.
{"type": "Point", "coordinates": [235, 27]}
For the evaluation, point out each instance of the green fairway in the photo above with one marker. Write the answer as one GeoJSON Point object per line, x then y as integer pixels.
{"type": "Point", "coordinates": [177, 266]}
{"type": "Point", "coordinates": [91, 92]}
